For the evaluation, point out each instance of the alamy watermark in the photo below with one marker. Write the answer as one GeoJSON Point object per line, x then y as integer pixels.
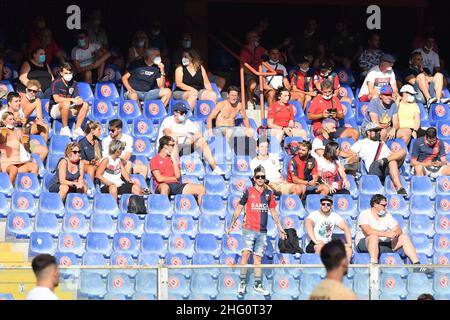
{"type": "Point", "coordinates": [74, 20]}
{"type": "Point", "coordinates": [374, 20]}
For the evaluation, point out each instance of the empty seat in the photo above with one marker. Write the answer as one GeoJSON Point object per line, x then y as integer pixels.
{"type": "Point", "coordinates": [361, 258]}
{"type": "Point", "coordinates": [98, 243]}
{"type": "Point", "coordinates": [420, 223]}
{"type": "Point", "coordinates": [41, 242]}
{"type": "Point", "coordinates": [92, 285]}
{"type": "Point", "coordinates": [186, 204]}
{"type": "Point", "coordinates": [58, 144]}
{"type": "Point", "coordinates": [51, 203]}
{"type": "Point", "coordinates": [393, 259]}
{"type": "Point", "coordinates": [192, 165]}
{"type": "Point", "coordinates": [397, 205]}
{"type": "Point", "coordinates": [23, 202]}
{"type": "Point", "coordinates": [207, 243]}
{"type": "Point", "coordinates": [308, 281]}
{"type": "Point", "coordinates": [286, 258]}
{"type": "Point", "coordinates": [393, 284]}
{"type": "Point", "coordinates": [441, 243]}
{"type": "Point", "coordinates": [361, 284]}
{"type": "Point", "coordinates": [203, 284]}
{"type": "Point", "coordinates": [239, 183]}
{"type": "Point", "coordinates": [205, 259]}
{"type": "Point", "coordinates": [28, 182]}
{"type": "Point", "coordinates": [421, 243]}
{"type": "Point", "coordinates": [4, 206]}
{"type": "Point", "coordinates": [211, 224]}
{"type": "Point", "coordinates": [177, 285]}
{"type": "Point", "coordinates": [285, 284]}
{"type": "Point", "coordinates": [129, 223]}
{"type": "Point", "coordinates": [441, 282]}
{"type": "Point", "coordinates": [102, 111]}
{"type": "Point", "coordinates": [154, 110]}
{"type": "Point", "coordinates": [157, 223]}
{"type": "Point", "coordinates": [313, 202]}
{"type": "Point", "coordinates": [344, 205]}
{"type": "Point", "coordinates": [143, 127]}
{"type": "Point", "coordinates": [184, 224]}
{"type": "Point", "coordinates": [146, 282]}
{"type": "Point", "coordinates": [18, 225]}
{"type": "Point", "coordinates": [291, 205]}
{"type": "Point", "coordinates": [364, 202]}
{"type": "Point", "coordinates": [371, 185]}
{"type": "Point", "coordinates": [120, 283]}
{"type": "Point", "coordinates": [6, 187]}
{"type": "Point", "coordinates": [70, 242]}
{"type": "Point", "coordinates": [129, 110]}
{"type": "Point", "coordinates": [443, 185]}
{"type": "Point", "coordinates": [232, 244]}
{"type": "Point", "coordinates": [238, 224]}
{"type": "Point", "coordinates": [421, 204]}
{"type": "Point", "coordinates": [102, 223]}
{"type": "Point", "coordinates": [443, 129]}
{"type": "Point", "coordinates": [203, 108]}
{"type": "Point", "coordinates": [78, 203]}
{"type": "Point", "coordinates": [443, 204]}
{"type": "Point", "coordinates": [230, 259]}
{"type": "Point", "coordinates": [85, 91]}
{"type": "Point", "coordinates": [105, 203]}
{"type": "Point", "coordinates": [421, 185]}
{"type": "Point", "coordinates": [181, 243]}
{"type": "Point", "coordinates": [75, 222]}
{"type": "Point", "coordinates": [106, 91]}
{"type": "Point", "coordinates": [418, 283]}
{"type": "Point", "coordinates": [95, 259]}
{"type": "Point", "coordinates": [47, 222]}
{"type": "Point", "coordinates": [153, 243]}
{"type": "Point", "coordinates": [228, 283]}
{"type": "Point", "coordinates": [142, 146]}
{"type": "Point", "coordinates": [439, 112]}
{"type": "Point", "coordinates": [158, 203]}
{"type": "Point", "coordinates": [64, 260]}
{"type": "Point", "coordinates": [125, 243]}
{"type": "Point", "coordinates": [213, 205]}
{"type": "Point", "coordinates": [442, 223]}
{"type": "Point", "coordinates": [312, 258]}
{"type": "Point", "coordinates": [241, 166]}
{"type": "Point", "coordinates": [148, 259]}
{"type": "Point", "coordinates": [178, 259]}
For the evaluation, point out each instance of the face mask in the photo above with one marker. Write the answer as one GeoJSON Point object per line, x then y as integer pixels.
{"type": "Point", "coordinates": [42, 58]}
{"type": "Point", "coordinates": [185, 61]}
{"type": "Point", "coordinates": [139, 44]}
{"type": "Point", "coordinates": [81, 42]}
{"type": "Point", "coordinates": [68, 77]}
{"type": "Point", "coordinates": [332, 135]}
{"type": "Point", "coordinates": [327, 97]}
{"type": "Point", "coordinates": [428, 49]}
{"type": "Point", "coordinates": [30, 98]}
{"type": "Point", "coordinates": [410, 99]}
{"type": "Point", "coordinates": [376, 136]}
{"type": "Point", "coordinates": [156, 32]}
{"type": "Point", "coordinates": [10, 126]}
{"type": "Point", "coordinates": [182, 118]}
{"type": "Point", "coordinates": [255, 44]}
{"type": "Point", "coordinates": [325, 74]}
{"type": "Point", "coordinates": [74, 161]}
{"type": "Point", "coordinates": [389, 69]}
{"type": "Point", "coordinates": [274, 61]}
{"type": "Point", "coordinates": [187, 44]}
{"type": "Point", "coordinates": [157, 60]}
{"type": "Point", "coordinates": [382, 213]}
{"type": "Point", "coordinates": [304, 70]}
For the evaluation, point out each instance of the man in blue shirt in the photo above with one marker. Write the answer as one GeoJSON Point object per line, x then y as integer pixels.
{"type": "Point", "coordinates": [145, 79]}
{"type": "Point", "coordinates": [428, 156]}
{"type": "Point", "coordinates": [384, 112]}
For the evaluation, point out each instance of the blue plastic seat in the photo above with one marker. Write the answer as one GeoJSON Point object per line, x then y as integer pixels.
{"type": "Point", "coordinates": [28, 182]}
{"type": "Point", "coordinates": [6, 85]}
{"type": "Point", "coordinates": [207, 243]}
{"type": "Point", "coordinates": [228, 283]}
{"type": "Point", "coordinates": [148, 259]}
{"type": "Point", "coordinates": [344, 205]}
{"type": "Point", "coordinates": [203, 284]}
{"type": "Point", "coordinates": [398, 144]}
{"type": "Point", "coordinates": [129, 110]}
{"type": "Point", "coordinates": [66, 259]}
{"type": "Point", "coordinates": [158, 203]}
{"type": "Point", "coordinates": [52, 162]}
{"type": "Point", "coordinates": [95, 259]}
{"type": "Point", "coordinates": [364, 202]}
{"type": "Point", "coordinates": [286, 258]}
{"type": "Point", "coordinates": [225, 169]}
{"type": "Point", "coordinates": [181, 243]}
{"type": "Point", "coordinates": [6, 187]}
{"type": "Point", "coordinates": [211, 224]}
{"type": "Point", "coordinates": [241, 166]}
{"type": "Point", "coordinates": [78, 203]}
{"type": "Point", "coordinates": [393, 259]}
{"type": "Point", "coordinates": [205, 259]}
{"type": "Point", "coordinates": [129, 223]}
{"type": "Point", "coordinates": [421, 243]}
{"type": "Point", "coordinates": [102, 111]}
{"type": "Point", "coordinates": [120, 283]}
{"type": "Point", "coordinates": [313, 202]}
{"type": "Point", "coordinates": [371, 185]}
{"type": "Point", "coordinates": [142, 146]}
{"type": "Point", "coordinates": [221, 149]}
{"type": "Point", "coordinates": [361, 258]}
{"type": "Point", "coordinates": [441, 243]}
{"type": "Point", "coordinates": [107, 91]}
{"type": "Point", "coordinates": [418, 284]}
{"type": "Point", "coordinates": [421, 204]}
{"type": "Point", "coordinates": [361, 111]}
{"type": "Point", "coordinates": [361, 284]}
{"type": "Point", "coordinates": [443, 129]}
{"type": "Point", "coordinates": [441, 281]}
{"type": "Point", "coordinates": [178, 259]}
{"type": "Point", "coordinates": [203, 108]}
{"type": "Point", "coordinates": [157, 223]}
{"type": "Point", "coordinates": [443, 259]}
{"type": "Point", "coordinates": [397, 205]}
{"type": "Point", "coordinates": [308, 281]}
{"type": "Point", "coordinates": [230, 259]}
{"type": "Point", "coordinates": [75, 222]}
{"type": "Point", "coordinates": [420, 223]}
{"type": "Point", "coordinates": [291, 221]}
{"type": "Point", "coordinates": [291, 205]}
{"type": "Point", "coordinates": [105, 203]}
{"type": "Point", "coordinates": [192, 165]}
{"type": "Point", "coordinates": [115, 296]}
{"type": "Point", "coordinates": [70, 242]}
{"type": "Point", "coordinates": [215, 184]}
{"type": "Point", "coordinates": [102, 223]}
{"type": "Point", "coordinates": [58, 144]}
{"type": "Point", "coordinates": [421, 185]}
{"type": "Point", "coordinates": [238, 224]}
{"type": "Point", "coordinates": [393, 284]}
{"type": "Point", "coordinates": [143, 127]}
{"type": "Point", "coordinates": [92, 285]}
{"type": "Point", "coordinates": [439, 112]}
{"type": "Point", "coordinates": [389, 186]}
{"type": "Point", "coordinates": [154, 110]}
{"type": "Point", "coordinates": [232, 244]}
{"type": "Point", "coordinates": [41, 242]}
{"type": "Point", "coordinates": [345, 143]}
{"type": "Point", "coordinates": [23, 202]}
{"type": "Point", "coordinates": [47, 222]}
{"type": "Point", "coordinates": [285, 284]}
{"type": "Point", "coordinates": [442, 223]}
{"type": "Point", "coordinates": [41, 167]}
{"type": "Point", "coordinates": [51, 203]}
{"type": "Point", "coordinates": [312, 258]}
{"type": "Point", "coordinates": [4, 206]}
{"type": "Point", "coordinates": [239, 183]}
{"type": "Point", "coordinates": [184, 224]}
{"type": "Point", "coordinates": [85, 91]}
{"type": "Point", "coordinates": [18, 225]}
{"type": "Point", "coordinates": [98, 242]}
{"type": "Point", "coordinates": [186, 204]}
{"type": "Point", "coordinates": [126, 243]}
{"type": "Point", "coordinates": [213, 205]}
{"type": "Point", "coordinates": [153, 243]}
{"type": "Point", "coordinates": [147, 282]}
{"type": "Point", "coordinates": [443, 185]}
{"type": "Point", "coordinates": [178, 285]}
{"type": "Point", "coordinates": [232, 203]}
{"type": "Point", "coordinates": [443, 204]}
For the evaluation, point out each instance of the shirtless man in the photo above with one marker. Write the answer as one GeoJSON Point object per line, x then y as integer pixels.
{"type": "Point", "coordinates": [29, 103]}
{"type": "Point", "coordinates": [225, 114]}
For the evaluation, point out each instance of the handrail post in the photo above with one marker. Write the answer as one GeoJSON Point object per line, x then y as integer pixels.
{"type": "Point", "coordinates": [374, 282]}
{"type": "Point", "coordinates": [242, 75]}
{"type": "Point", "coordinates": [261, 93]}
{"type": "Point", "coordinates": [163, 283]}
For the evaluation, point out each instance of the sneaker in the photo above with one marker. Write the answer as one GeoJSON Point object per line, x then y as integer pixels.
{"type": "Point", "coordinates": [65, 131]}
{"type": "Point", "coordinates": [146, 192]}
{"type": "Point", "coordinates": [242, 288]}
{"type": "Point", "coordinates": [444, 100]}
{"type": "Point", "coordinates": [425, 270]}
{"type": "Point", "coordinates": [77, 133]}
{"type": "Point", "coordinates": [260, 289]}
{"type": "Point", "coordinates": [218, 171]}
{"type": "Point", "coordinates": [430, 101]}
{"type": "Point", "coordinates": [402, 192]}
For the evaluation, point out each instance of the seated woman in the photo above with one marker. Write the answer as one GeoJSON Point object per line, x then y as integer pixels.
{"type": "Point", "coordinates": [112, 174]}
{"type": "Point", "coordinates": [192, 81]}
{"type": "Point", "coordinates": [331, 172]}
{"type": "Point", "coordinates": [14, 149]}
{"type": "Point", "coordinates": [408, 115]}
{"type": "Point", "coordinates": [36, 69]}
{"type": "Point", "coordinates": [69, 177]}
{"type": "Point", "coordinates": [91, 147]}
{"type": "Point", "coordinates": [140, 45]}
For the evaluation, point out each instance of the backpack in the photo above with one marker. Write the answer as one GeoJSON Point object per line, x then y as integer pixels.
{"type": "Point", "coordinates": [136, 204]}
{"type": "Point", "coordinates": [291, 244]}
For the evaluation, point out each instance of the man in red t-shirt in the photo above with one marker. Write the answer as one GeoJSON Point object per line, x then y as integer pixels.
{"type": "Point", "coordinates": [302, 88]}
{"type": "Point", "coordinates": [280, 118]}
{"type": "Point", "coordinates": [326, 105]}
{"type": "Point", "coordinates": [166, 172]}
{"type": "Point", "coordinates": [258, 200]}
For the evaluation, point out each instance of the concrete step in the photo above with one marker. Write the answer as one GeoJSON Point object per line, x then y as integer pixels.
{"type": "Point", "coordinates": [19, 276]}
{"type": "Point", "coordinates": [6, 247]}
{"type": "Point", "coordinates": [11, 257]}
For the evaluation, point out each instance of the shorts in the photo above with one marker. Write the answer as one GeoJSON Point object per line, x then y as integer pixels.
{"type": "Point", "coordinates": [174, 188]}
{"type": "Point", "coordinates": [154, 94]}
{"type": "Point", "coordinates": [55, 188]}
{"type": "Point", "coordinates": [254, 241]}
{"type": "Point", "coordinates": [384, 246]}
{"type": "Point", "coordinates": [236, 131]}
{"type": "Point", "coordinates": [124, 188]}
{"type": "Point", "coordinates": [186, 149]}
{"type": "Point", "coordinates": [381, 171]}
{"type": "Point", "coordinates": [419, 96]}
{"type": "Point", "coordinates": [178, 94]}
{"type": "Point", "coordinates": [55, 113]}
{"type": "Point", "coordinates": [283, 188]}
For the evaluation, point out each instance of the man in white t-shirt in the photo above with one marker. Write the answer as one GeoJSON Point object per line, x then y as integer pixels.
{"type": "Point", "coordinates": [271, 164]}
{"type": "Point", "coordinates": [115, 133]}
{"type": "Point", "coordinates": [430, 57]}
{"type": "Point", "coordinates": [187, 136]}
{"type": "Point", "coordinates": [320, 226]}
{"type": "Point", "coordinates": [377, 157]}
{"type": "Point", "coordinates": [377, 230]}
{"type": "Point", "coordinates": [88, 57]}
{"type": "Point", "coordinates": [377, 77]}
{"type": "Point", "coordinates": [47, 278]}
{"type": "Point", "coordinates": [272, 83]}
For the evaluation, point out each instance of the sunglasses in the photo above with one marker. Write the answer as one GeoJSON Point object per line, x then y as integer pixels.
{"type": "Point", "coordinates": [31, 90]}
{"type": "Point", "coordinates": [76, 151]}
{"type": "Point", "coordinates": [325, 204]}
{"type": "Point", "coordinates": [260, 177]}
{"type": "Point", "coordinates": [112, 129]}
{"type": "Point", "coordinates": [383, 204]}
{"type": "Point", "coordinates": [171, 144]}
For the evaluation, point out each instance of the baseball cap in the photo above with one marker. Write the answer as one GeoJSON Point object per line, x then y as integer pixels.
{"type": "Point", "coordinates": [327, 198]}
{"type": "Point", "coordinates": [180, 107]}
{"type": "Point", "coordinates": [325, 65]}
{"type": "Point", "coordinates": [372, 126]}
{"type": "Point", "coordinates": [387, 57]}
{"type": "Point", "coordinates": [409, 89]}
{"type": "Point", "coordinates": [302, 60]}
{"type": "Point", "coordinates": [386, 89]}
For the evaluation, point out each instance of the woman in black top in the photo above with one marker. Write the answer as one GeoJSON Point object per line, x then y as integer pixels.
{"type": "Point", "coordinates": [36, 69]}
{"type": "Point", "coordinates": [91, 148]}
{"type": "Point", "coordinates": [191, 80]}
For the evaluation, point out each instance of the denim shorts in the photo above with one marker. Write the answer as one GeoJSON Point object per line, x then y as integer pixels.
{"type": "Point", "coordinates": [149, 95]}
{"type": "Point", "coordinates": [254, 241]}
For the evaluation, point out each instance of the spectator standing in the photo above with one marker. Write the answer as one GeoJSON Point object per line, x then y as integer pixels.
{"type": "Point", "coordinates": [46, 271]}
{"type": "Point", "coordinates": [370, 57]}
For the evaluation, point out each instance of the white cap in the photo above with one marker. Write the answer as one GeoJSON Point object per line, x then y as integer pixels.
{"type": "Point", "coordinates": [408, 88]}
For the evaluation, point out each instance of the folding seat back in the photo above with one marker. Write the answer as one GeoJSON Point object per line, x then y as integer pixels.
{"type": "Point", "coordinates": [285, 284]}
{"type": "Point", "coordinates": [23, 202]}
{"type": "Point", "coordinates": [120, 283]}
{"type": "Point", "coordinates": [207, 243]}
{"type": "Point", "coordinates": [92, 285]}
{"type": "Point", "coordinates": [215, 184]}
{"type": "Point", "coordinates": [6, 187]}
{"type": "Point", "coordinates": [203, 284]}
{"type": "Point", "coordinates": [181, 243]}
{"type": "Point", "coordinates": [129, 110]}
{"type": "Point", "coordinates": [58, 144]}
{"type": "Point", "coordinates": [75, 222]}
{"type": "Point", "coordinates": [129, 223]}
{"type": "Point", "coordinates": [211, 224]}
{"type": "Point", "coordinates": [203, 108]}
{"type": "Point", "coordinates": [102, 110]}
{"type": "Point", "coordinates": [393, 284]}
{"type": "Point", "coordinates": [228, 283]}
{"type": "Point", "coordinates": [41, 242]}
{"type": "Point", "coordinates": [418, 283]}
{"type": "Point", "coordinates": [143, 127]}
{"type": "Point", "coordinates": [291, 205]}
{"type": "Point", "coordinates": [422, 244]}
{"type": "Point", "coordinates": [439, 112]}
{"type": "Point", "coordinates": [312, 258]}
{"type": "Point", "coordinates": [241, 166]}
{"type": "Point", "coordinates": [178, 285]}
{"type": "Point", "coordinates": [142, 146]}
{"type": "Point", "coordinates": [370, 184]}
{"type": "Point", "coordinates": [421, 204]}
{"type": "Point", "coordinates": [158, 203]}
{"type": "Point", "coordinates": [51, 203]}
{"type": "Point", "coordinates": [186, 204]}
{"type": "Point", "coordinates": [192, 165]}
{"type": "Point", "coordinates": [441, 243]}
{"type": "Point", "coordinates": [361, 284]}
{"type": "Point", "coordinates": [85, 91]}
{"type": "Point", "coordinates": [18, 225]}
{"type": "Point", "coordinates": [184, 224]}
{"type": "Point", "coordinates": [308, 281]}
{"type": "Point", "coordinates": [443, 129]}
{"type": "Point", "coordinates": [397, 205]}
{"type": "Point", "coordinates": [28, 182]}
{"type": "Point", "coordinates": [47, 222]}
{"type": "Point", "coordinates": [313, 202]}
{"type": "Point", "coordinates": [393, 259]}
{"type": "Point", "coordinates": [239, 183]}
{"type": "Point", "coordinates": [152, 243]}
{"type": "Point", "coordinates": [442, 223]}
{"type": "Point", "coordinates": [154, 110]}
{"type": "Point", "coordinates": [157, 223]}
{"type": "Point", "coordinates": [344, 205]}
{"type": "Point", "coordinates": [98, 242]}
{"type": "Point", "coordinates": [441, 282]}
{"type": "Point", "coordinates": [221, 149]}
{"type": "Point", "coordinates": [146, 282]}
{"type": "Point", "coordinates": [232, 244]}
{"type": "Point", "coordinates": [106, 91]}
{"type": "Point", "coordinates": [78, 203]}
{"type": "Point", "coordinates": [4, 206]}
{"type": "Point", "coordinates": [102, 223]}
{"type": "Point", "coordinates": [105, 203]}
{"type": "Point", "coordinates": [125, 243]}
{"type": "Point", "coordinates": [420, 223]}
{"type": "Point", "coordinates": [443, 185]}
{"type": "Point", "coordinates": [421, 185]}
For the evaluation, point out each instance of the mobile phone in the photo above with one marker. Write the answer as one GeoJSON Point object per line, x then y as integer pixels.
{"type": "Point", "coordinates": [332, 110]}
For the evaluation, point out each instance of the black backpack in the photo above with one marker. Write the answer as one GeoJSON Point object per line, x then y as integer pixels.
{"type": "Point", "coordinates": [291, 244]}
{"type": "Point", "coordinates": [136, 204]}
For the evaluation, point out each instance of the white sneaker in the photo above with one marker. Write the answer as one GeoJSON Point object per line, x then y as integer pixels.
{"type": "Point", "coordinates": [65, 131]}
{"type": "Point", "coordinates": [261, 289]}
{"type": "Point", "coordinates": [444, 100]}
{"type": "Point", "coordinates": [77, 133]}
{"type": "Point", "coordinates": [242, 288]}
{"type": "Point", "coordinates": [218, 171]}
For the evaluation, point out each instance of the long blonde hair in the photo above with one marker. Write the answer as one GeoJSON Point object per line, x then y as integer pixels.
{"type": "Point", "coordinates": [91, 126]}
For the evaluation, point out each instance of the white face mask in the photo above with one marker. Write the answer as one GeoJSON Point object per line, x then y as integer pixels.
{"type": "Point", "coordinates": [304, 70]}
{"type": "Point", "coordinates": [389, 69]}
{"type": "Point", "coordinates": [255, 44]}
{"type": "Point", "coordinates": [157, 60]}
{"type": "Point", "coordinates": [29, 97]}
{"type": "Point", "coordinates": [410, 99]}
{"type": "Point", "coordinates": [68, 77]}
{"type": "Point", "coordinates": [381, 213]}
{"type": "Point", "coordinates": [428, 49]}
{"type": "Point", "coordinates": [10, 126]}
{"type": "Point", "coordinates": [185, 61]}
{"type": "Point", "coordinates": [274, 61]}
{"type": "Point", "coordinates": [327, 97]}
{"type": "Point", "coordinates": [156, 32]}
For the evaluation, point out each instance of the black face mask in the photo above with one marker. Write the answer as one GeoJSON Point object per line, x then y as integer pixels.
{"type": "Point", "coordinates": [332, 135]}
{"type": "Point", "coordinates": [376, 136]}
